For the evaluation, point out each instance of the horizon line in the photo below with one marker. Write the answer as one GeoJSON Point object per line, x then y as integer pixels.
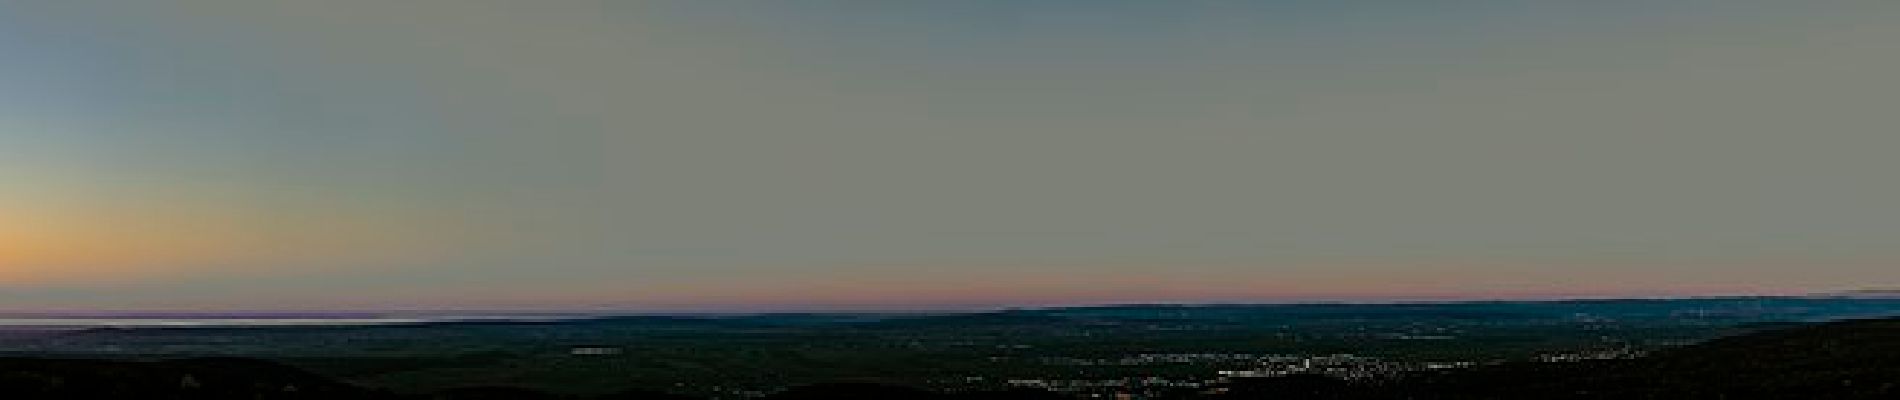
{"type": "Point", "coordinates": [869, 309]}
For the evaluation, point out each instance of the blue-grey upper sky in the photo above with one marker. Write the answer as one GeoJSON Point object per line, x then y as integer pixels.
{"type": "Point", "coordinates": [892, 154]}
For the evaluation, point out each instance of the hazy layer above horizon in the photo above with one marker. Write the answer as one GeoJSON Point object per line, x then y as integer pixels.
{"type": "Point", "coordinates": [226, 154]}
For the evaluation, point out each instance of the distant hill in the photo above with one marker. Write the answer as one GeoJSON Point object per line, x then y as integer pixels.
{"type": "Point", "coordinates": [1866, 294]}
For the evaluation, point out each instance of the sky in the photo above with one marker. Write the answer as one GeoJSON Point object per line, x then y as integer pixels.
{"type": "Point", "coordinates": [888, 154]}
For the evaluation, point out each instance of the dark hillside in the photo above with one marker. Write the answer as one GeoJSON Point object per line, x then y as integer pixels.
{"type": "Point", "coordinates": [210, 379]}
{"type": "Point", "coordinates": [1857, 359]}
{"type": "Point", "coordinates": [1840, 360]}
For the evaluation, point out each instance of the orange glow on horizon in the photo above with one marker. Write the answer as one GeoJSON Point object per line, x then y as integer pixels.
{"type": "Point", "coordinates": [953, 292]}
{"type": "Point", "coordinates": [117, 246]}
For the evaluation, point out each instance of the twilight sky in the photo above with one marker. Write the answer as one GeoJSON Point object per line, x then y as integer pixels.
{"type": "Point", "coordinates": [744, 155]}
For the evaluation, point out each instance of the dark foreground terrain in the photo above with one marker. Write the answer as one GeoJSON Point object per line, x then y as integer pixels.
{"type": "Point", "coordinates": [1142, 351]}
{"type": "Point", "coordinates": [1856, 359]}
